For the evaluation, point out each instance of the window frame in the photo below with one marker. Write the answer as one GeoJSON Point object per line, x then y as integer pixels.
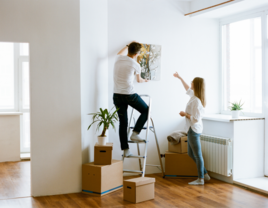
{"type": "Point", "coordinates": [20, 90]}
{"type": "Point", "coordinates": [22, 59]}
{"type": "Point", "coordinates": [262, 14]}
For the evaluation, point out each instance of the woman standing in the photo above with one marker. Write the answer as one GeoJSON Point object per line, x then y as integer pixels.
{"type": "Point", "coordinates": [194, 126]}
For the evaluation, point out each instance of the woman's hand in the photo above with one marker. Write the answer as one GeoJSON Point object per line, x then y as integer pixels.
{"type": "Point", "coordinates": [185, 85]}
{"type": "Point", "coordinates": [177, 75]}
{"type": "Point", "coordinates": [182, 113]}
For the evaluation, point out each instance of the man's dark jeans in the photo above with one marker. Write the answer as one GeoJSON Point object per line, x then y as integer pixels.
{"type": "Point", "coordinates": [122, 102]}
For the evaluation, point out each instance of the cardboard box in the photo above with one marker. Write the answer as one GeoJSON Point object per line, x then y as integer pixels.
{"type": "Point", "coordinates": [103, 154]}
{"type": "Point", "coordinates": [99, 180]}
{"type": "Point", "coordinates": [180, 165]}
{"type": "Point", "coordinates": [139, 189]}
{"type": "Point", "coordinates": [182, 147]}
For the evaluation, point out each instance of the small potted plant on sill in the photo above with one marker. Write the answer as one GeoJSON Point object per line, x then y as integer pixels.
{"type": "Point", "coordinates": [236, 108]}
{"type": "Point", "coordinates": [106, 119]}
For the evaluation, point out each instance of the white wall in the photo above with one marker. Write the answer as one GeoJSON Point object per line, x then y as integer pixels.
{"type": "Point", "coordinates": [94, 68]}
{"type": "Point", "coordinates": [189, 46]}
{"type": "Point", "coordinates": [9, 138]}
{"type": "Point", "coordinates": [52, 29]}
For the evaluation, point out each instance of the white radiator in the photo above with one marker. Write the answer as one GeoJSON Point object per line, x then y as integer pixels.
{"type": "Point", "coordinates": [218, 155]}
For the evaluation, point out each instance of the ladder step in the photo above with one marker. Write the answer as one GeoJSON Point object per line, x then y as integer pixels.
{"type": "Point", "coordinates": [153, 165]}
{"type": "Point", "coordinates": [133, 171]}
{"type": "Point", "coordinates": [130, 141]}
{"type": "Point", "coordinates": [144, 128]}
{"type": "Point", "coordinates": [134, 156]}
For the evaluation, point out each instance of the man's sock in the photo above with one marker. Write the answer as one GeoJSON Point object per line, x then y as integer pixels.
{"type": "Point", "coordinates": [135, 137]}
{"type": "Point", "coordinates": [127, 153]}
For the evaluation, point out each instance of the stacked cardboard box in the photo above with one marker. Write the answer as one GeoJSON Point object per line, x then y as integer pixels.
{"type": "Point", "coordinates": [104, 175]}
{"type": "Point", "coordinates": [178, 163]}
{"type": "Point", "coordinates": [103, 154]}
{"type": "Point", "coordinates": [182, 147]}
{"type": "Point", "coordinates": [139, 189]}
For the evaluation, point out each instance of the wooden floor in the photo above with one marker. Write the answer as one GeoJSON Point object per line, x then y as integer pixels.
{"type": "Point", "coordinates": [15, 192]}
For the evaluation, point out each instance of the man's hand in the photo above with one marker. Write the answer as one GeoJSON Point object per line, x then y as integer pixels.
{"type": "Point", "coordinates": [182, 113]}
{"type": "Point", "coordinates": [177, 75]}
{"type": "Point", "coordinates": [140, 79]}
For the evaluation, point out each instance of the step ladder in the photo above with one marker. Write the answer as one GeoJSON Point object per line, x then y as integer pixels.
{"type": "Point", "coordinates": [139, 156]}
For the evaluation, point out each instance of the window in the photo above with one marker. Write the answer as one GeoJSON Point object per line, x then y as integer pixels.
{"type": "Point", "coordinates": [7, 91]}
{"type": "Point", "coordinates": [242, 64]}
{"type": "Point", "coordinates": [14, 85]}
{"type": "Point", "coordinates": [245, 65]}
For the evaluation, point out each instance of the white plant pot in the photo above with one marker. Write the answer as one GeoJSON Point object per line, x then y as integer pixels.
{"type": "Point", "coordinates": [102, 140]}
{"type": "Point", "coordinates": [235, 114]}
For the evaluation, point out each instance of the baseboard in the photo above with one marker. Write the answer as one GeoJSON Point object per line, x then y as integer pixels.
{"type": "Point", "coordinates": [221, 177]}
{"type": "Point", "coordinates": [103, 193]}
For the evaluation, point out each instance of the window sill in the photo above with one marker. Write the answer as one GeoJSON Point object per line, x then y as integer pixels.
{"type": "Point", "coordinates": [258, 184]}
{"type": "Point", "coordinates": [228, 118]}
{"type": "Point", "coordinates": [25, 156]}
{"type": "Point", "coordinates": [10, 113]}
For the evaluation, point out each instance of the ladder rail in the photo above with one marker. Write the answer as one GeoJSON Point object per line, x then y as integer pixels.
{"type": "Point", "coordinates": [158, 149]}
{"type": "Point", "coordinates": [147, 133]}
{"type": "Point", "coordinates": [138, 148]}
{"type": "Point", "coordinates": [149, 119]}
{"type": "Point", "coordinates": [129, 123]}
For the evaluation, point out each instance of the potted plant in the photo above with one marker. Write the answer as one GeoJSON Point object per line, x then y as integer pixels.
{"type": "Point", "coordinates": [105, 119]}
{"type": "Point", "coordinates": [236, 109]}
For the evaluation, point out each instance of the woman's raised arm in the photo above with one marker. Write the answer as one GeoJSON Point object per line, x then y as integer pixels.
{"type": "Point", "coordinates": [185, 85]}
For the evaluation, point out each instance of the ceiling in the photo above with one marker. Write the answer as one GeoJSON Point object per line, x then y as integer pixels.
{"type": "Point", "coordinates": [233, 9]}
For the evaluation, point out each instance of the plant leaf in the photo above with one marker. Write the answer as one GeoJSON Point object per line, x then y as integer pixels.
{"type": "Point", "coordinates": [92, 124]}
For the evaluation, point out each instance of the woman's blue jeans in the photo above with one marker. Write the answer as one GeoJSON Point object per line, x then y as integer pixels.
{"type": "Point", "coordinates": [195, 152]}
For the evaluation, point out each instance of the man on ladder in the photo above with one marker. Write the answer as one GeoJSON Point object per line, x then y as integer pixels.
{"type": "Point", "coordinates": [126, 69]}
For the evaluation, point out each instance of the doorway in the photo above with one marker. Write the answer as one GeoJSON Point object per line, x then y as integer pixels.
{"type": "Point", "coordinates": [15, 119]}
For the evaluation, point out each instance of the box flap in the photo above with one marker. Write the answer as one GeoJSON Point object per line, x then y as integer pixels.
{"type": "Point", "coordinates": [184, 138]}
{"type": "Point", "coordinates": [141, 181]}
{"type": "Point", "coordinates": [102, 166]}
{"type": "Point", "coordinates": [108, 146]}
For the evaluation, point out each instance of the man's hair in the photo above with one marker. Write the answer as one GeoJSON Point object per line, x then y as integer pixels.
{"type": "Point", "coordinates": [134, 48]}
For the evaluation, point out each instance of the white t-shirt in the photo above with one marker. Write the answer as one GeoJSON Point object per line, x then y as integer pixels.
{"type": "Point", "coordinates": [196, 110]}
{"type": "Point", "coordinates": [125, 69]}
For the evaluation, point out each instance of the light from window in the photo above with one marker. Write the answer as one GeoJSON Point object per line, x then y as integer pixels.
{"type": "Point", "coordinates": [7, 76]}
{"type": "Point", "coordinates": [242, 64]}
{"type": "Point", "coordinates": [25, 85]}
{"type": "Point", "coordinates": [24, 49]}
{"type": "Point", "coordinates": [26, 132]}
